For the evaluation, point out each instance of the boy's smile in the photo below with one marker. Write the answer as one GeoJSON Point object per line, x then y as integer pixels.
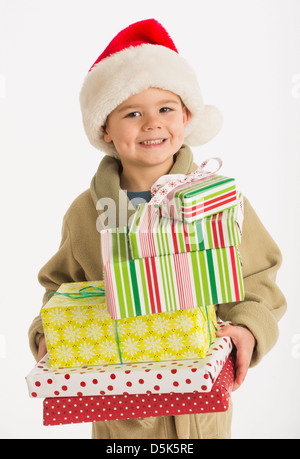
{"type": "Point", "coordinates": [152, 143]}
{"type": "Point", "coordinates": [147, 130]}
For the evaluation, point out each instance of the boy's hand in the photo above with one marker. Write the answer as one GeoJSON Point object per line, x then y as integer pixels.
{"type": "Point", "coordinates": [244, 342]}
{"type": "Point", "coordinates": [42, 348]}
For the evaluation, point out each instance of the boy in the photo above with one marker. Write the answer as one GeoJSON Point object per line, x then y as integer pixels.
{"type": "Point", "coordinates": [141, 104]}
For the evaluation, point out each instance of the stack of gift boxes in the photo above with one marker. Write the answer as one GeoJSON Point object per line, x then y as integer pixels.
{"type": "Point", "coordinates": [143, 341]}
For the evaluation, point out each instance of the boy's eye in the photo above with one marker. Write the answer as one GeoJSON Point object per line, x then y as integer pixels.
{"type": "Point", "coordinates": [165, 109]}
{"type": "Point", "coordinates": [133, 114]}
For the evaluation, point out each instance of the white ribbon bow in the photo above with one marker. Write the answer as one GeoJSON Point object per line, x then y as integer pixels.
{"type": "Point", "coordinates": [167, 183]}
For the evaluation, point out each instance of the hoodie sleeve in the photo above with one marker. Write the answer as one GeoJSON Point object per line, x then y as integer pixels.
{"type": "Point", "coordinates": [264, 303]}
{"type": "Point", "coordinates": [78, 258]}
{"type": "Point", "coordinates": [62, 267]}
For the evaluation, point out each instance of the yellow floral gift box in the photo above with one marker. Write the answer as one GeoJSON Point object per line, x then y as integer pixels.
{"type": "Point", "coordinates": [79, 330]}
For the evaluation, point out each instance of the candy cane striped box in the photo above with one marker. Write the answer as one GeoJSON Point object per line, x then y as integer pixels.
{"type": "Point", "coordinates": [151, 235]}
{"type": "Point", "coordinates": [169, 282]}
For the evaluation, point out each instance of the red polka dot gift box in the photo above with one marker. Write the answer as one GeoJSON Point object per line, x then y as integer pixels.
{"type": "Point", "coordinates": [140, 378]}
{"type": "Point", "coordinates": [69, 410]}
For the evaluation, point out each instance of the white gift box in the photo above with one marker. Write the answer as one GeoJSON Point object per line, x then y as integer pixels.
{"type": "Point", "coordinates": [182, 376]}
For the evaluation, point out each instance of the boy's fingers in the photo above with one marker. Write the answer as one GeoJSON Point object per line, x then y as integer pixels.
{"type": "Point", "coordinates": [243, 356]}
{"type": "Point", "coordinates": [244, 342]}
{"type": "Point", "coordinates": [42, 350]}
{"type": "Point", "coordinates": [239, 379]}
{"type": "Point", "coordinates": [225, 331]}
{"type": "Point", "coordinates": [241, 368]}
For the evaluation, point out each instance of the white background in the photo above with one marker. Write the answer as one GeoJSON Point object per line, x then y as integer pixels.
{"type": "Point", "coordinates": [247, 57]}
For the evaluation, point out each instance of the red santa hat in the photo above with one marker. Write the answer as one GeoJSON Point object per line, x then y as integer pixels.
{"type": "Point", "coordinates": [142, 56]}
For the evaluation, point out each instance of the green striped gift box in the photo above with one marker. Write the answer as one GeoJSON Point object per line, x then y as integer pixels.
{"type": "Point", "coordinates": [192, 201]}
{"type": "Point", "coordinates": [170, 282]}
{"type": "Point", "coordinates": [151, 235]}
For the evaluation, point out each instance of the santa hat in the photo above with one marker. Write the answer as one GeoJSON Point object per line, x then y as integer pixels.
{"type": "Point", "coordinates": [142, 56]}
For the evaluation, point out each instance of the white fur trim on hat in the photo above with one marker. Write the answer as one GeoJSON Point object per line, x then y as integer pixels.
{"type": "Point", "coordinates": [132, 70]}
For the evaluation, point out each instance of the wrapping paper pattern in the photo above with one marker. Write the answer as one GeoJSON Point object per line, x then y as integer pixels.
{"type": "Point", "coordinates": [115, 407]}
{"type": "Point", "coordinates": [140, 378]}
{"type": "Point", "coordinates": [81, 332]}
{"type": "Point", "coordinates": [192, 201]}
{"type": "Point", "coordinates": [170, 282]}
{"type": "Point", "coordinates": [151, 235]}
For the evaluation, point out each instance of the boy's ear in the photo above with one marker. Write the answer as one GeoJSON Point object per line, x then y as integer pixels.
{"type": "Point", "coordinates": [106, 136]}
{"type": "Point", "coordinates": [186, 115]}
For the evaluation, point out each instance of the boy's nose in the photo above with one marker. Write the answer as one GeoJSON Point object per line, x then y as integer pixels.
{"type": "Point", "coordinates": [152, 122]}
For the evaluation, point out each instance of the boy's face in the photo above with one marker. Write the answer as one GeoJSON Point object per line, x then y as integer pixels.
{"type": "Point", "coordinates": [148, 128]}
